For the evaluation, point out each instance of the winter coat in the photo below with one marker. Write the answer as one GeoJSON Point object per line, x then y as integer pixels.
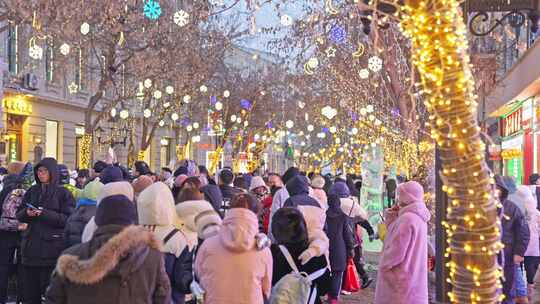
{"type": "Point", "coordinates": [532, 215]}
{"type": "Point", "coordinates": [277, 202]}
{"type": "Point", "coordinates": [43, 241]}
{"type": "Point", "coordinates": [212, 194]}
{"type": "Point", "coordinates": [281, 268]}
{"type": "Point", "coordinates": [86, 209]}
{"type": "Point", "coordinates": [321, 197]}
{"type": "Point", "coordinates": [515, 231]}
{"type": "Point", "coordinates": [119, 265]}
{"type": "Point", "coordinates": [187, 212]}
{"type": "Point", "coordinates": [298, 189]}
{"type": "Point", "coordinates": [265, 213]}
{"type": "Point", "coordinates": [156, 212]}
{"type": "Point", "coordinates": [403, 274]}
{"type": "Point", "coordinates": [229, 266]}
{"type": "Point", "coordinates": [340, 235]}
{"type": "Point", "coordinates": [10, 182]}
{"type": "Point", "coordinates": [228, 192]}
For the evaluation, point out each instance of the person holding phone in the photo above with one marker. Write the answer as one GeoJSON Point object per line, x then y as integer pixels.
{"type": "Point", "coordinates": [45, 208]}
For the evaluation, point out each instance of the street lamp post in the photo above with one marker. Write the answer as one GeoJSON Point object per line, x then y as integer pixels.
{"type": "Point", "coordinates": [515, 14]}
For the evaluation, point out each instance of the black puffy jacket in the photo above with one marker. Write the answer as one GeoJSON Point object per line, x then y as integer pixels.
{"type": "Point", "coordinates": [515, 230]}
{"type": "Point", "coordinates": [76, 222]}
{"type": "Point", "coordinates": [298, 188]}
{"type": "Point", "coordinates": [43, 241]}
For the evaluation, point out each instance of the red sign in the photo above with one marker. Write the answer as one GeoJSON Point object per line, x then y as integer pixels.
{"type": "Point", "coordinates": [512, 123]}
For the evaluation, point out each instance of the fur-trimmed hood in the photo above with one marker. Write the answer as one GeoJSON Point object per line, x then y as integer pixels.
{"type": "Point", "coordinates": [119, 250]}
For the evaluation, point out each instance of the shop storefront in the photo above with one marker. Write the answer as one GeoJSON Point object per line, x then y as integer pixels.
{"type": "Point", "coordinates": [16, 110]}
{"type": "Point", "coordinates": [517, 149]}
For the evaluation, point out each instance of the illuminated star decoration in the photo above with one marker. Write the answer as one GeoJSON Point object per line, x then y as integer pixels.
{"type": "Point", "coordinates": [73, 88]}
{"type": "Point", "coordinates": [152, 10]}
{"type": "Point", "coordinates": [330, 52]}
{"type": "Point", "coordinates": [181, 18]}
{"type": "Point", "coordinates": [338, 34]}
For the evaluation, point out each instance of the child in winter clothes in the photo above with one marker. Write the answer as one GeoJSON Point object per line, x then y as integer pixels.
{"type": "Point", "coordinates": [341, 244]}
{"type": "Point", "coordinates": [157, 213]}
{"type": "Point", "coordinates": [122, 263]}
{"type": "Point", "coordinates": [290, 230]}
{"type": "Point", "coordinates": [403, 274]}
{"type": "Point", "coordinates": [230, 267]}
{"type": "Point", "coordinates": [86, 209]}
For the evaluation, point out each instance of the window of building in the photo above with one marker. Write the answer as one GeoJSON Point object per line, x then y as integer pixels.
{"type": "Point", "coordinates": [49, 61]}
{"type": "Point", "coordinates": [79, 133]}
{"type": "Point", "coordinates": [51, 139]}
{"type": "Point", "coordinates": [13, 49]}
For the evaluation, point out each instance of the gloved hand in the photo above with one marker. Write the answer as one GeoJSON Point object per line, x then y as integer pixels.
{"type": "Point", "coordinates": [307, 255]}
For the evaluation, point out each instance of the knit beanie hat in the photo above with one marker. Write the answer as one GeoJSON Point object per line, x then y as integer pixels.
{"type": "Point", "coordinates": [142, 182]}
{"type": "Point", "coordinates": [289, 174]}
{"type": "Point", "coordinates": [208, 224]}
{"type": "Point", "coordinates": [116, 210]}
{"type": "Point", "coordinates": [99, 166]}
{"type": "Point", "coordinates": [92, 190]}
{"type": "Point", "coordinates": [111, 174]}
{"type": "Point", "coordinates": [340, 189]}
{"type": "Point", "coordinates": [15, 167]}
{"type": "Point", "coordinates": [123, 188]}
{"type": "Point", "coordinates": [257, 182]}
{"type": "Point", "coordinates": [318, 182]}
{"type": "Point", "coordinates": [410, 192]}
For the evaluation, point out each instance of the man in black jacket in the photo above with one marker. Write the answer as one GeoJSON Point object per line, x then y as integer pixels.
{"type": "Point", "coordinates": [45, 208]}
{"type": "Point", "coordinates": [515, 234]}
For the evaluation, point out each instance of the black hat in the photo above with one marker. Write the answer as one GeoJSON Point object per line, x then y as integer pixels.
{"type": "Point", "coordinates": [63, 173]}
{"type": "Point", "coordinates": [99, 166]}
{"type": "Point", "coordinates": [111, 174]}
{"type": "Point", "coordinates": [142, 167]}
{"type": "Point", "coordinates": [180, 170]}
{"type": "Point", "coordinates": [115, 210]}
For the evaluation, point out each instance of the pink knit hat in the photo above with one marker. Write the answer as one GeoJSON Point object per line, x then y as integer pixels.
{"type": "Point", "coordinates": [410, 192]}
{"type": "Point", "coordinates": [179, 180]}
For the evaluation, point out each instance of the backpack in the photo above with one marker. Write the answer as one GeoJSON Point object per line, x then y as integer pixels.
{"type": "Point", "coordinates": [8, 220]}
{"type": "Point", "coordinates": [295, 287]}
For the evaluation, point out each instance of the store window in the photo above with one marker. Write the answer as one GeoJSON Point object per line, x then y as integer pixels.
{"type": "Point", "coordinates": [51, 139]}
{"type": "Point", "coordinates": [13, 49]}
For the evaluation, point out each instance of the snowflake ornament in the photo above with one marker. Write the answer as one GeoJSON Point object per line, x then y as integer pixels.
{"type": "Point", "coordinates": [64, 49]}
{"type": "Point", "coordinates": [35, 52]}
{"type": "Point", "coordinates": [181, 18]}
{"type": "Point", "coordinates": [375, 64]}
{"type": "Point", "coordinates": [152, 10]}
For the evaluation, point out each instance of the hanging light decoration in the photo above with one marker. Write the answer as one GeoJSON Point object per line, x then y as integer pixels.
{"type": "Point", "coordinates": [363, 74]}
{"type": "Point", "coordinates": [219, 106]}
{"type": "Point", "coordinates": [169, 90]}
{"type": "Point", "coordinates": [124, 114]}
{"type": "Point", "coordinates": [147, 113]}
{"type": "Point", "coordinates": [181, 18]}
{"type": "Point", "coordinates": [157, 94]}
{"type": "Point", "coordinates": [187, 99]}
{"type": "Point", "coordinates": [85, 28]}
{"type": "Point", "coordinates": [289, 124]}
{"type": "Point", "coordinates": [161, 123]}
{"type": "Point", "coordinates": [147, 83]}
{"type": "Point", "coordinates": [226, 94]}
{"type": "Point", "coordinates": [375, 63]}
{"type": "Point", "coordinates": [310, 128]}
{"type": "Point", "coordinates": [203, 89]}
{"type": "Point", "coordinates": [174, 116]}
{"type": "Point", "coordinates": [113, 112]}
{"type": "Point", "coordinates": [64, 49]}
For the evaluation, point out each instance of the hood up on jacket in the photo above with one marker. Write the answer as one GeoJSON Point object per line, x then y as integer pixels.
{"type": "Point", "coordinates": [289, 174]}
{"type": "Point", "coordinates": [52, 166]}
{"type": "Point", "coordinates": [334, 206]}
{"type": "Point", "coordinates": [298, 185]}
{"type": "Point", "coordinates": [239, 229]}
{"type": "Point", "coordinates": [298, 189]}
{"type": "Point", "coordinates": [340, 189]}
{"type": "Point", "coordinates": [129, 247]}
{"type": "Point", "coordinates": [155, 206]}
{"type": "Point", "coordinates": [419, 209]}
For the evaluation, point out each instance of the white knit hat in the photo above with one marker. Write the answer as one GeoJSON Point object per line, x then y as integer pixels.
{"type": "Point", "coordinates": [115, 188]}
{"type": "Point", "coordinates": [257, 182]}
{"type": "Point", "coordinates": [318, 182]}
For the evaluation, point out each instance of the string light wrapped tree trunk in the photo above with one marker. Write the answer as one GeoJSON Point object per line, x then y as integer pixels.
{"type": "Point", "coordinates": [439, 46]}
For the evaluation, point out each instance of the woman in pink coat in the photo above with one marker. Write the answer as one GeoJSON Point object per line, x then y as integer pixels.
{"type": "Point", "coordinates": [230, 266]}
{"type": "Point", "coordinates": [403, 274]}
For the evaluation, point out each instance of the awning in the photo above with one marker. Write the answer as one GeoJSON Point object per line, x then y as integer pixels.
{"type": "Point", "coordinates": [521, 82]}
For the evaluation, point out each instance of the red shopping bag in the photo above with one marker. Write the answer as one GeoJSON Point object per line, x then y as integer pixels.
{"type": "Point", "coordinates": [351, 281]}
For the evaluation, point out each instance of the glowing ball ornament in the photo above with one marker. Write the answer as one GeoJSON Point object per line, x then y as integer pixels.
{"type": "Point", "coordinates": [113, 112]}
{"type": "Point", "coordinates": [219, 106]}
{"type": "Point", "coordinates": [363, 74]}
{"type": "Point", "coordinates": [354, 131]}
{"type": "Point", "coordinates": [369, 108]}
{"type": "Point", "coordinates": [64, 49]}
{"type": "Point", "coordinates": [147, 113]}
{"type": "Point", "coordinates": [375, 63]}
{"type": "Point", "coordinates": [321, 135]}
{"type": "Point", "coordinates": [363, 111]}
{"type": "Point", "coordinates": [189, 128]}
{"type": "Point", "coordinates": [333, 129]}
{"type": "Point", "coordinates": [187, 99]}
{"type": "Point", "coordinates": [166, 105]}
{"type": "Point", "coordinates": [161, 123]}
{"type": "Point", "coordinates": [85, 28]}
{"type": "Point", "coordinates": [181, 18]}
{"type": "Point", "coordinates": [174, 116]}
{"type": "Point", "coordinates": [289, 124]}
{"type": "Point", "coordinates": [124, 114]}
{"type": "Point", "coordinates": [310, 128]}
{"type": "Point", "coordinates": [157, 94]}
{"type": "Point", "coordinates": [233, 118]}
{"type": "Point", "coordinates": [329, 112]}
{"type": "Point", "coordinates": [169, 90]}
{"type": "Point", "coordinates": [203, 89]}
{"type": "Point", "coordinates": [226, 93]}
{"type": "Point", "coordinates": [147, 83]}
{"type": "Point", "coordinates": [195, 125]}
{"type": "Point", "coordinates": [313, 62]}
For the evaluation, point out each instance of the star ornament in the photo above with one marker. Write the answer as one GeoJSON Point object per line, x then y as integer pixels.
{"type": "Point", "coordinates": [181, 18]}
{"type": "Point", "coordinates": [330, 52]}
{"type": "Point", "coordinates": [73, 88]}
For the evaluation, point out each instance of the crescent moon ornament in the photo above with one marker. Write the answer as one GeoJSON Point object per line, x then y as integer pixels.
{"type": "Point", "coordinates": [307, 69]}
{"type": "Point", "coordinates": [330, 7]}
{"type": "Point", "coordinates": [360, 51]}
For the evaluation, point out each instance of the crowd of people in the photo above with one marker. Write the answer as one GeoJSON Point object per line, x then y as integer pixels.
{"type": "Point", "coordinates": [113, 235]}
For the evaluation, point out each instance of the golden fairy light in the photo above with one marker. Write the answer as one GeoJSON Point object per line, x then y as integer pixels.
{"type": "Point", "coordinates": [439, 47]}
